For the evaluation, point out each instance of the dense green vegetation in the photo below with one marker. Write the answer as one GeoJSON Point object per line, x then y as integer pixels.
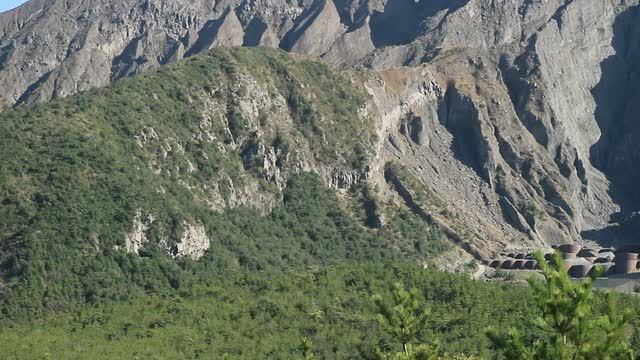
{"type": "Point", "coordinates": [78, 170]}
{"type": "Point", "coordinates": [253, 315]}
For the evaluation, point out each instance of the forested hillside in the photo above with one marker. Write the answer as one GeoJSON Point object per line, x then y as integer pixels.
{"type": "Point", "coordinates": [301, 261]}
{"type": "Point", "coordinates": [222, 206]}
{"type": "Point", "coordinates": [323, 179]}
{"type": "Point", "coordinates": [101, 190]}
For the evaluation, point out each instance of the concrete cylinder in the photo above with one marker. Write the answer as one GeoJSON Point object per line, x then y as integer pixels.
{"type": "Point", "coordinates": [605, 270]}
{"type": "Point", "coordinates": [518, 265]}
{"type": "Point", "coordinates": [609, 268]}
{"type": "Point", "coordinates": [520, 256]}
{"type": "Point", "coordinates": [586, 253]}
{"type": "Point", "coordinates": [569, 248]}
{"type": "Point", "coordinates": [507, 264]}
{"type": "Point", "coordinates": [495, 264]}
{"type": "Point", "coordinates": [530, 264]}
{"type": "Point", "coordinates": [567, 256]}
{"type": "Point", "coordinates": [580, 271]}
{"type": "Point", "coordinates": [625, 266]}
{"type": "Point", "coordinates": [626, 256]}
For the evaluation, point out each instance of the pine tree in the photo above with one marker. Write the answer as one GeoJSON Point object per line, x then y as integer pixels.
{"type": "Point", "coordinates": [404, 320]}
{"type": "Point", "coordinates": [567, 317]}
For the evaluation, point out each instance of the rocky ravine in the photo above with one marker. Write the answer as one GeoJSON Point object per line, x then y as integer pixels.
{"type": "Point", "coordinates": [520, 114]}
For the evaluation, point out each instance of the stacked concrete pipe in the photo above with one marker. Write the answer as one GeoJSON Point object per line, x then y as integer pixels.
{"type": "Point", "coordinates": [626, 263]}
{"type": "Point", "coordinates": [569, 248]}
{"type": "Point", "coordinates": [580, 271]}
{"type": "Point", "coordinates": [507, 264]}
{"type": "Point", "coordinates": [588, 254]}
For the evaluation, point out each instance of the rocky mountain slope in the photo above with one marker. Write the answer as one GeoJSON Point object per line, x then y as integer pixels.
{"type": "Point", "coordinates": [245, 159]}
{"type": "Point", "coordinates": [520, 115]}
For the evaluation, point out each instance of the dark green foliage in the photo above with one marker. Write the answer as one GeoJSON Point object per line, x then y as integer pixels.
{"type": "Point", "coordinates": [76, 172]}
{"type": "Point", "coordinates": [414, 235]}
{"type": "Point", "coordinates": [570, 326]}
{"type": "Point", "coordinates": [404, 319]}
{"type": "Point", "coordinates": [258, 315]}
{"type": "Point", "coordinates": [306, 348]}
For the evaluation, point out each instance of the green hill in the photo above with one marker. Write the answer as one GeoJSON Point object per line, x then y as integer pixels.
{"type": "Point", "coordinates": [209, 143]}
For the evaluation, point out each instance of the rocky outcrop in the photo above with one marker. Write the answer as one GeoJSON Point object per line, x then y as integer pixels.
{"type": "Point", "coordinates": [137, 238]}
{"type": "Point", "coordinates": [409, 198]}
{"type": "Point", "coordinates": [194, 242]}
{"type": "Point", "coordinates": [223, 32]}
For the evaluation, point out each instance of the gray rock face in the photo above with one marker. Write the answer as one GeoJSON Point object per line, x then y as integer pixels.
{"type": "Point", "coordinates": [318, 29]}
{"type": "Point", "coordinates": [194, 242]}
{"type": "Point", "coordinates": [351, 47]}
{"type": "Point", "coordinates": [137, 238]}
{"type": "Point", "coordinates": [521, 114]}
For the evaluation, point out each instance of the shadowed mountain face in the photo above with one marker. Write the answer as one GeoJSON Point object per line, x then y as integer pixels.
{"type": "Point", "coordinates": [521, 115]}
{"type": "Point", "coordinates": [617, 97]}
{"type": "Point", "coordinates": [616, 153]}
{"type": "Point", "coordinates": [400, 22]}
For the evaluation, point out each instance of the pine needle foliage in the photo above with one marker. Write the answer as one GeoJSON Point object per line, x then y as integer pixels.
{"type": "Point", "coordinates": [572, 328]}
{"type": "Point", "coordinates": [405, 319]}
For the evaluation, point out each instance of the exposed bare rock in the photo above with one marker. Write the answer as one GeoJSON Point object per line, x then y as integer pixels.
{"type": "Point", "coordinates": [136, 239]}
{"type": "Point", "coordinates": [194, 242]}
{"type": "Point", "coordinates": [268, 39]}
{"type": "Point", "coordinates": [317, 31]}
{"type": "Point", "coordinates": [351, 47]}
{"type": "Point", "coordinates": [147, 52]}
{"type": "Point", "coordinates": [224, 32]}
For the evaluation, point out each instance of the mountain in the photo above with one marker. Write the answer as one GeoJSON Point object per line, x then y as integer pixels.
{"type": "Point", "coordinates": [520, 114]}
{"type": "Point", "coordinates": [285, 160]}
{"type": "Point", "coordinates": [225, 206]}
